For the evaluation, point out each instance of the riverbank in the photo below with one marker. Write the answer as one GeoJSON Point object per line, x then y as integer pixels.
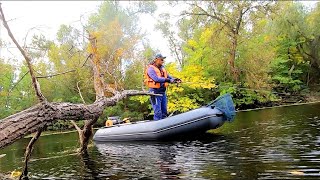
{"type": "Point", "coordinates": [315, 99]}
{"type": "Point", "coordinates": [285, 100]}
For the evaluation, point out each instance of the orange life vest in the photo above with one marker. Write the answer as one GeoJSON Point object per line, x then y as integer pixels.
{"type": "Point", "coordinates": [150, 82]}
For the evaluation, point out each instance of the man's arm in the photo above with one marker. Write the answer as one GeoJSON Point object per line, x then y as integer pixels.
{"type": "Point", "coordinates": [174, 80]}
{"type": "Point", "coordinates": [153, 75]}
{"type": "Point", "coordinates": [170, 77]}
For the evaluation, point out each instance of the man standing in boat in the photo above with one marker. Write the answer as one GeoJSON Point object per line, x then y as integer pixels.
{"type": "Point", "coordinates": [157, 79]}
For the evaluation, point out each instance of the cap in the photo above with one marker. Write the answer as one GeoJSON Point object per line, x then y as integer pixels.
{"type": "Point", "coordinates": [160, 56]}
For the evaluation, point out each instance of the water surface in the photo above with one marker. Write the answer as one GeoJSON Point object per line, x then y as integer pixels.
{"type": "Point", "coordinates": [278, 143]}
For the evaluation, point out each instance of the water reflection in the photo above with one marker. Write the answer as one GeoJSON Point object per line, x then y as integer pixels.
{"type": "Point", "coordinates": [166, 160]}
{"type": "Point", "coordinates": [279, 143]}
{"type": "Point", "coordinates": [147, 160]}
{"type": "Point", "coordinates": [90, 166]}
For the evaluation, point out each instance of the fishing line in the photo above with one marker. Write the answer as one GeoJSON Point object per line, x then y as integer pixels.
{"type": "Point", "coordinates": [241, 88]}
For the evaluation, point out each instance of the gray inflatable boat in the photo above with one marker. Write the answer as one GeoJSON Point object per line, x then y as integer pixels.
{"type": "Point", "coordinates": [189, 123]}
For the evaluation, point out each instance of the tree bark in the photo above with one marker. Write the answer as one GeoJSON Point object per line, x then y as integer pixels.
{"type": "Point", "coordinates": [85, 135]}
{"type": "Point", "coordinates": [98, 80]}
{"type": "Point", "coordinates": [232, 58]}
{"type": "Point", "coordinates": [28, 121]}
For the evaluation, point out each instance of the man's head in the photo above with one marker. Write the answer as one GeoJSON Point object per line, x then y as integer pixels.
{"type": "Point", "coordinates": [159, 59]}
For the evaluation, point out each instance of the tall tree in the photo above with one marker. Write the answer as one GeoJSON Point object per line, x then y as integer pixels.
{"type": "Point", "coordinates": [297, 46]}
{"type": "Point", "coordinates": [234, 17]}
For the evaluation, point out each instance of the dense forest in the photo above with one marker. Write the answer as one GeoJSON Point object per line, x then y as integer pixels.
{"type": "Point", "coordinates": [263, 53]}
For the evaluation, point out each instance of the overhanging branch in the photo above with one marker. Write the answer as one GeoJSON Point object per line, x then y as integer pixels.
{"type": "Point", "coordinates": [35, 82]}
{"type": "Point", "coordinates": [30, 120]}
{"type": "Point", "coordinates": [65, 72]}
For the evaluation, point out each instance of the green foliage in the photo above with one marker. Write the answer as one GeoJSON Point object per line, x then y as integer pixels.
{"type": "Point", "coordinates": [276, 51]}
{"type": "Point", "coordinates": [295, 60]}
{"type": "Point", "coordinates": [6, 78]}
{"type": "Point", "coordinates": [14, 95]}
{"type": "Point", "coordinates": [193, 92]}
{"type": "Point", "coordinates": [286, 78]}
{"type": "Point", "coordinates": [244, 97]}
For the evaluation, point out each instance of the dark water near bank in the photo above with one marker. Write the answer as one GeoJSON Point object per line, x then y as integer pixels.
{"type": "Point", "coordinates": [278, 143]}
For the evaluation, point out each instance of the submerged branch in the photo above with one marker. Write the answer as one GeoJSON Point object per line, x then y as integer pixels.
{"type": "Point", "coordinates": [28, 152]}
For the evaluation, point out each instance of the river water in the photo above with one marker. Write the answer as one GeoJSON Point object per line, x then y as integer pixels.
{"type": "Point", "coordinates": [277, 143]}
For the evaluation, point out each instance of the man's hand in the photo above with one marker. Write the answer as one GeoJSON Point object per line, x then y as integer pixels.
{"type": "Point", "coordinates": [177, 80]}
{"type": "Point", "coordinates": [168, 80]}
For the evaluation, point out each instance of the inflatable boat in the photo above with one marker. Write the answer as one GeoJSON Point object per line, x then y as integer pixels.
{"type": "Point", "coordinates": [193, 122]}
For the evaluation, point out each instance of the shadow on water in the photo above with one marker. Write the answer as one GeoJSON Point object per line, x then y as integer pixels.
{"type": "Point", "coordinates": [278, 143]}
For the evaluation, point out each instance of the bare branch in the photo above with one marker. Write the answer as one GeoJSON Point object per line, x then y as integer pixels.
{"type": "Point", "coordinates": [89, 56]}
{"type": "Point", "coordinates": [52, 75]}
{"type": "Point", "coordinates": [72, 121]}
{"type": "Point", "coordinates": [25, 38]}
{"type": "Point", "coordinates": [35, 82]}
{"type": "Point", "coordinates": [28, 152]}
{"type": "Point", "coordinates": [65, 72]}
{"type": "Point", "coordinates": [76, 126]}
{"type": "Point", "coordinates": [213, 16]}
{"type": "Point", "coordinates": [175, 50]}
{"type": "Point", "coordinates": [80, 93]}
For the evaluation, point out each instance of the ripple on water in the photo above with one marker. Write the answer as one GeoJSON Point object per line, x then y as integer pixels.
{"type": "Point", "coordinates": [279, 143]}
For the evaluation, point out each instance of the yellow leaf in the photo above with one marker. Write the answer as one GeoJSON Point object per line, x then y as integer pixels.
{"type": "Point", "coordinates": [15, 174]}
{"type": "Point", "coordinates": [294, 172]}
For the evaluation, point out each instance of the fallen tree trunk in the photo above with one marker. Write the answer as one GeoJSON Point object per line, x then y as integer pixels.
{"type": "Point", "coordinates": [44, 113]}
{"type": "Point", "coordinates": [28, 121]}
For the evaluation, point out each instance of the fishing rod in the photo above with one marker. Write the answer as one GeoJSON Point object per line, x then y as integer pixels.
{"type": "Point", "coordinates": [236, 87]}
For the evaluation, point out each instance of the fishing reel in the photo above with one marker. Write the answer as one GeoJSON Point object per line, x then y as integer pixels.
{"type": "Point", "coordinates": [177, 81]}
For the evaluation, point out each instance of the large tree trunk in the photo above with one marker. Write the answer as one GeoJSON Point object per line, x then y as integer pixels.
{"type": "Point", "coordinates": [98, 77]}
{"type": "Point", "coordinates": [28, 121]}
{"type": "Point", "coordinates": [233, 50]}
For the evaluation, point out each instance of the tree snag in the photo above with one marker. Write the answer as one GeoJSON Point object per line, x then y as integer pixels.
{"type": "Point", "coordinates": [35, 118]}
{"type": "Point", "coordinates": [27, 155]}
